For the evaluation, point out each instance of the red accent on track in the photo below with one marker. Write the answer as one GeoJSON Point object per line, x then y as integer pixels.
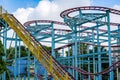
{"type": "Point", "coordinates": [98, 8]}
{"type": "Point", "coordinates": [88, 43]}
{"type": "Point", "coordinates": [44, 21]}
{"type": "Point", "coordinates": [107, 70]}
{"type": "Point", "coordinates": [62, 23]}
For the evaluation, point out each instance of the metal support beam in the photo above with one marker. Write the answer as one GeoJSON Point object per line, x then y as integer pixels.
{"type": "Point", "coordinates": [109, 45]}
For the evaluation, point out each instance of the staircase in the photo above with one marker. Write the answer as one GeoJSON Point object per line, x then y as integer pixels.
{"type": "Point", "coordinates": [49, 62]}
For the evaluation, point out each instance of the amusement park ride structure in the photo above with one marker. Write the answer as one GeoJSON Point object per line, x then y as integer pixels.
{"type": "Point", "coordinates": [89, 26]}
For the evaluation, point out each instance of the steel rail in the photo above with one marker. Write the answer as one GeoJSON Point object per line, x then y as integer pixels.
{"type": "Point", "coordinates": [105, 71]}
{"type": "Point", "coordinates": [44, 21]}
{"type": "Point", "coordinates": [88, 43]}
{"type": "Point", "coordinates": [26, 24]}
{"type": "Point", "coordinates": [34, 44]}
{"type": "Point", "coordinates": [98, 8]}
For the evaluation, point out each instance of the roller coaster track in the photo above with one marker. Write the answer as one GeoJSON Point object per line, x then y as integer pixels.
{"type": "Point", "coordinates": [105, 71]}
{"type": "Point", "coordinates": [27, 24]}
{"type": "Point", "coordinates": [52, 66]}
{"type": "Point", "coordinates": [49, 62]}
{"type": "Point", "coordinates": [38, 76]}
{"type": "Point", "coordinates": [68, 11]}
{"type": "Point", "coordinates": [88, 43]}
{"type": "Point", "coordinates": [44, 21]}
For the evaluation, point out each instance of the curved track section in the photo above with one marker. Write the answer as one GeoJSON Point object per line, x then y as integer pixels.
{"type": "Point", "coordinates": [64, 24]}
{"type": "Point", "coordinates": [27, 24]}
{"type": "Point", "coordinates": [44, 21]}
{"type": "Point", "coordinates": [35, 75]}
{"type": "Point", "coordinates": [38, 76]}
{"type": "Point", "coordinates": [107, 70]}
{"type": "Point", "coordinates": [68, 45]}
{"type": "Point", "coordinates": [68, 11]}
{"type": "Point", "coordinates": [53, 67]}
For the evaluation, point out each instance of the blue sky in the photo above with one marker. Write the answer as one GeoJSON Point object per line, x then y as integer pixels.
{"type": "Point", "coordinates": [26, 10]}
{"type": "Point", "coordinates": [106, 3]}
{"type": "Point", "coordinates": [13, 5]}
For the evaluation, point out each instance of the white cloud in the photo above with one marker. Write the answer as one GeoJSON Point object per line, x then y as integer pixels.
{"type": "Point", "coordinates": [116, 7]}
{"type": "Point", "coordinates": [48, 10]}
{"type": "Point", "coordinates": [114, 17]}
{"type": "Point", "coordinates": [44, 10]}
{"type": "Point", "coordinates": [22, 14]}
{"type": "Point", "coordinates": [51, 10]}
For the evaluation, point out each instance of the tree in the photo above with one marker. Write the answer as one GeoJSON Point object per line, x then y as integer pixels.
{"type": "Point", "coordinates": [83, 50]}
{"type": "Point", "coordinates": [69, 53]}
{"type": "Point", "coordinates": [3, 67]}
{"type": "Point", "coordinates": [23, 52]}
{"type": "Point", "coordinates": [49, 49]}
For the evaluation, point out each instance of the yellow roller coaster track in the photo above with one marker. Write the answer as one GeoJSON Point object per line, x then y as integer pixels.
{"type": "Point", "coordinates": [49, 62]}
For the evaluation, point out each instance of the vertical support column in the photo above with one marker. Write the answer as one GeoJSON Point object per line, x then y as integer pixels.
{"type": "Point", "coordinates": [75, 49]}
{"type": "Point", "coordinates": [69, 59]}
{"type": "Point", "coordinates": [109, 45]}
{"type": "Point", "coordinates": [93, 52]}
{"type": "Point", "coordinates": [119, 35]}
{"type": "Point", "coordinates": [79, 47]}
{"type": "Point", "coordinates": [28, 65]}
{"type": "Point", "coordinates": [80, 59]}
{"type": "Point", "coordinates": [24, 77]}
{"type": "Point", "coordinates": [35, 68]}
{"type": "Point", "coordinates": [80, 14]}
{"type": "Point", "coordinates": [19, 52]}
{"type": "Point", "coordinates": [53, 40]}
{"type": "Point", "coordinates": [63, 55]}
{"type": "Point", "coordinates": [99, 54]}
{"type": "Point", "coordinates": [15, 58]}
{"type": "Point", "coordinates": [118, 43]}
{"type": "Point", "coordinates": [53, 45]}
{"type": "Point", "coordinates": [73, 53]}
{"type": "Point", "coordinates": [0, 76]}
{"type": "Point", "coordinates": [5, 46]}
{"type": "Point", "coordinates": [35, 61]}
{"type": "Point", "coordinates": [46, 75]}
{"type": "Point", "coordinates": [88, 61]}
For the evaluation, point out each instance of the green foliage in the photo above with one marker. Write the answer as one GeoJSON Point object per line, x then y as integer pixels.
{"type": "Point", "coordinates": [2, 62]}
{"type": "Point", "coordinates": [10, 53]}
{"type": "Point", "coordinates": [2, 66]}
{"type": "Point", "coordinates": [69, 53]}
{"type": "Point", "coordinates": [1, 49]}
{"type": "Point", "coordinates": [82, 49]}
{"type": "Point", "coordinates": [23, 52]}
{"type": "Point", "coordinates": [48, 48]}
{"type": "Point", "coordinates": [57, 54]}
